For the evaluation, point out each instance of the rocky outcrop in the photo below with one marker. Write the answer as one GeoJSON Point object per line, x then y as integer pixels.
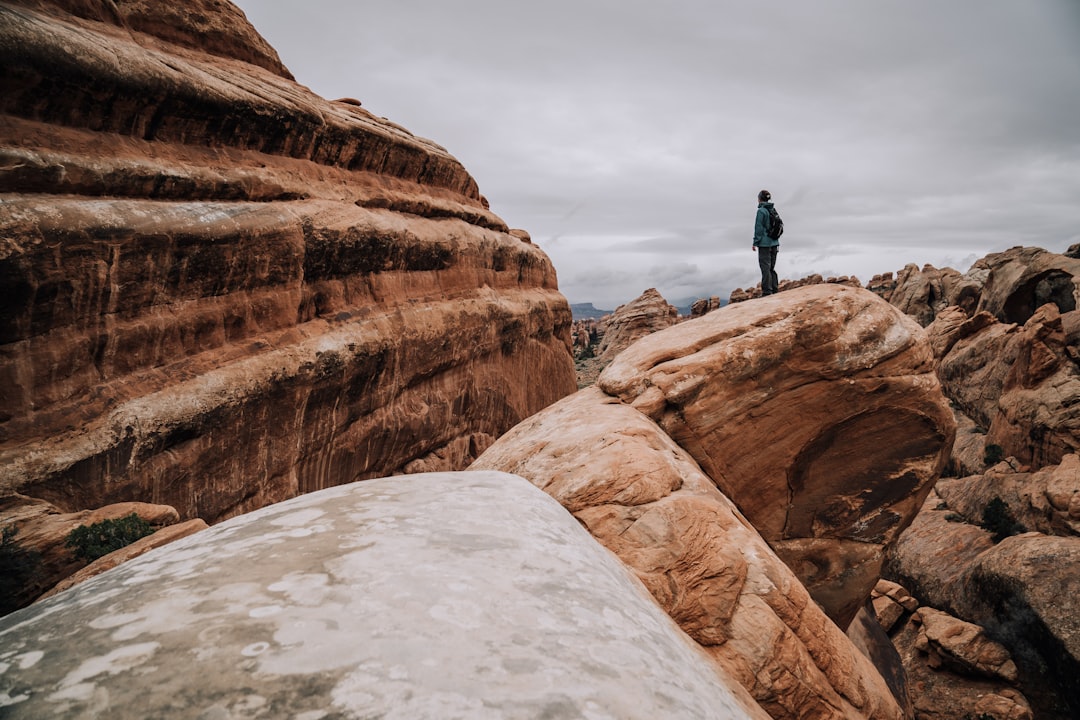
{"type": "Point", "coordinates": [1020, 590]}
{"type": "Point", "coordinates": [221, 290]}
{"type": "Point", "coordinates": [952, 668]}
{"type": "Point", "coordinates": [1019, 383]}
{"type": "Point", "coordinates": [1021, 280]}
{"type": "Point", "coordinates": [646, 314]}
{"type": "Point", "coordinates": [505, 609]}
{"type": "Point", "coordinates": [644, 498]}
{"type": "Point", "coordinates": [924, 293]}
{"type": "Point", "coordinates": [39, 530]}
{"type": "Point", "coordinates": [1046, 501]}
{"type": "Point", "coordinates": [817, 413]}
{"type": "Point", "coordinates": [955, 671]}
{"type": "Point", "coordinates": [642, 316]}
{"type": "Point", "coordinates": [826, 378]}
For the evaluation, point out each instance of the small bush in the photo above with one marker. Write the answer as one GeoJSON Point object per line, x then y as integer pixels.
{"type": "Point", "coordinates": [18, 566]}
{"type": "Point", "coordinates": [993, 454]}
{"type": "Point", "coordinates": [90, 542]}
{"type": "Point", "coordinates": [999, 520]}
{"type": "Point", "coordinates": [954, 517]}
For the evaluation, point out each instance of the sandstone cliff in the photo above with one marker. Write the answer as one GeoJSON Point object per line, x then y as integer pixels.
{"type": "Point", "coordinates": [220, 290]}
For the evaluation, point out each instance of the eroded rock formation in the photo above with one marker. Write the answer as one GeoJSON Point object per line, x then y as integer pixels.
{"type": "Point", "coordinates": [645, 314]}
{"type": "Point", "coordinates": [819, 416]}
{"type": "Point", "coordinates": [220, 290]}
{"type": "Point", "coordinates": [644, 498]}
{"type": "Point", "coordinates": [506, 608]}
{"type": "Point", "coordinates": [1021, 589]}
{"type": "Point", "coordinates": [817, 413]}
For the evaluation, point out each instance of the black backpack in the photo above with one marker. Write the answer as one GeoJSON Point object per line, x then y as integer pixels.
{"type": "Point", "coordinates": [776, 225]}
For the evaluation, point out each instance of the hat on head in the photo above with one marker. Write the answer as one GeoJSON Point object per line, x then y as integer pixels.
{"type": "Point", "coordinates": [764, 195]}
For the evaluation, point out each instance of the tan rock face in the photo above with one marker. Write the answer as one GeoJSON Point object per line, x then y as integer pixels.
{"type": "Point", "coordinates": [1021, 280]}
{"type": "Point", "coordinates": [642, 316]}
{"type": "Point", "coordinates": [816, 412]}
{"type": "Point", "coordinates": [221, 290]}
{"type": "Point", "coordinates": [646, 314]}
{"type": "Point", "coordinates": [1020, 383]}
{"type": "Point", "coordinates": [647, 500]}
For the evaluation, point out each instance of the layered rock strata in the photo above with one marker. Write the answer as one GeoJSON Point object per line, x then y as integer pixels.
{"type": "Point", "coordinates": [507, 608]}
{"type": "Point", "coordinates": [221, 290]}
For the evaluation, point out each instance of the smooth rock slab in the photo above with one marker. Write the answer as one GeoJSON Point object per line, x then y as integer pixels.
{"type": "Point", "coordinates": [446, 595]}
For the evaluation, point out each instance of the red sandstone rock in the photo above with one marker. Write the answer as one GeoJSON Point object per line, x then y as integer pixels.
{"type": "Point", "coordinates": [646, 499]}
{"type": "Point", "coordinates": [41, 528]}
{"type": "Point", "coordinates": [1020, 590]}
{"type": "Point", "coordinates": [221, 290]}
{"type": "Point", "coordinates": [645, 314]}
{"type": "Point", "coordinates": [1018, 383]}
{"type": "Point", "coordinates": [816, 412]}
{"type": "Point", "coordinates": [942, 671]}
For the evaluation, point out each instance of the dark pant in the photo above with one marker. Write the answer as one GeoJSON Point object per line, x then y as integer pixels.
{"type": "Point", "coordinates": [766, 257]}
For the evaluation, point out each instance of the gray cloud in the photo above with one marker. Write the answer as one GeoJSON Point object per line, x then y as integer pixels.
{"type": "Point", "coordinates": [630, 138]}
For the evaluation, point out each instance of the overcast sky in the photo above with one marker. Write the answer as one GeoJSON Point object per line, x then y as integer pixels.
{"type": "Point", "coordinates": [631, 138]}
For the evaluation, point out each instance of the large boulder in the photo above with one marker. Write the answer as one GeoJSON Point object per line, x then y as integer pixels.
{"type": "Point", "coordinates": [220, 290]}
{"type": "Point", "coordinates": [1046, 501]}
{"type": "Point", "coordinates": [645, 314]}
{"type": "Point", "coordinates": [817, 412]}
{"type": "Point", "coordinates": [647, 500]}
{"type": "Point", "coordinates": [430, 596]}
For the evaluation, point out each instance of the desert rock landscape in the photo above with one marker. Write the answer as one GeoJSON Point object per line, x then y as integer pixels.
{"type": "Point", "coordinates": [337, 394]}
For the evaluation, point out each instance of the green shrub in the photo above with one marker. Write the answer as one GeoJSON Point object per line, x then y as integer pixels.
{"type": "Point", "coordinates": [999, 520]}
{"type": "Point", "coordinates": [93, 541]}
{"type": "Point", "coordinates": [993, 454]}
{"type": "Point", "coordinates": [18, 566]}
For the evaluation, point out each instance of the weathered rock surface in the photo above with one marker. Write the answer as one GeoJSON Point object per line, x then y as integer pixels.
{"type": "Point", "coordinates": [1020, 383]}
{"type": "Point", "coordinates": [924, 293]}
{"type": "Point", "coordinates": [42, 529]}
{"type": "Point", "coordinates": [647, 500]}
{"type": "Point", "coordinates": [1021, 280]}
{"type": "Point", "coordinates": [954, 670]}
{"type": "Point", "coordinates": [1020, 590]}
{"type": "Point", "coordinates": [220, 290]}
{"type": "Point", "coordinates": [950, 667]}
{"type": "Point", "coordinates": [429, 596]}
{"type": "Point", "coordinates": [817, 413]}
{"type": "Point", "coordinates": [646, 314]}
{"type": "Point", "coordinates": [1046, 501]}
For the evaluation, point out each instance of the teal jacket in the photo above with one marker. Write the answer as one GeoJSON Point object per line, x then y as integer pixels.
{"type": "Point", "coordinates": [761, 224]}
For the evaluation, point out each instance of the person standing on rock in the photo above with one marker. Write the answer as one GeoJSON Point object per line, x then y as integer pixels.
{"type": "Point", "coordinates": [767, 242]}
